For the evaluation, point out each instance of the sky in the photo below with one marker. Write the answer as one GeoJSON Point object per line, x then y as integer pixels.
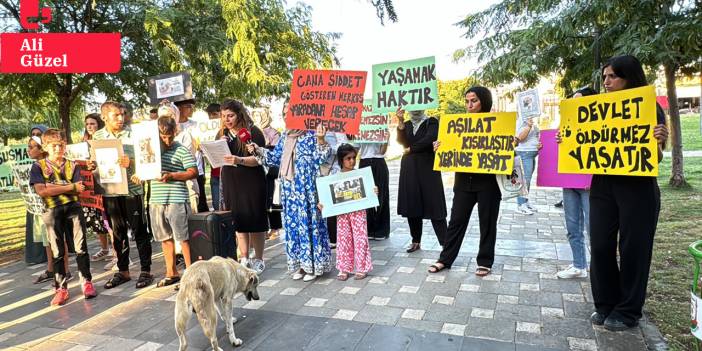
{"type": "Point", "coordinates": [424, 28]}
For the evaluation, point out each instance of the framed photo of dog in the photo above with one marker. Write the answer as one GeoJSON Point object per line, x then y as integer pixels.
{"type": "Point", "coordinates": [346, 192]}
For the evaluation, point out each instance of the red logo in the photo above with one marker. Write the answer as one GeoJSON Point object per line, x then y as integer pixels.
{"type": "Point", "coordinates": [56, 52]}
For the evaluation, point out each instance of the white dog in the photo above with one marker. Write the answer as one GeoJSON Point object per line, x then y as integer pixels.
{"type": "Point", "coordinates": [209, 286]}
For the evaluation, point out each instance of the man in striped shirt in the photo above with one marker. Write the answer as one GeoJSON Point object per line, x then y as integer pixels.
{"type": "Point", "coordinates": [169, 205]}
{"type": "Point", "coordinates": [125, 212]}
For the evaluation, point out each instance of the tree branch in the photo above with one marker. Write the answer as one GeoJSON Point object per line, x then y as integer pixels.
{"type": "Point", "coordinates": [14, 11]}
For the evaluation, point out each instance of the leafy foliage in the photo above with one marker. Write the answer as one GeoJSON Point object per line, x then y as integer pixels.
{"type": "Point", "coordinates": [451, 99]}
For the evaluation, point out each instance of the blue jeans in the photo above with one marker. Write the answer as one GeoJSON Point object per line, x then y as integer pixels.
{"type": "Point", "coordinates": [576, 204]}
{"type": "Point", "coordinates": [214, 188]}
{"type": "Point", "coordinates": [529, 162]}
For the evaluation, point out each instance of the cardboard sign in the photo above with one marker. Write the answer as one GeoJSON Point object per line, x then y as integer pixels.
{"type": "Point", "coordinates": [147, 150]}
{"type": "Point", "coordinates": [547, 172]}
{"type": "Point", "coordinates": [9, 156]}
{"type": "Point", "coordinates": [411, 84]}
{"type": "Point", "coordinates": [610, 134]}
{"type": "Point", "coordinates": [346, 192]}
{"type": "Point", "coordinates": [206, 130]}
{"type": "Point", "coordinates": [528, 103]}
{"type": "Point", "coordinates": [333, 99]}
{"type": "Point", "coordinates": [172, 86]}
{"type": "Point", "coordinates": [476, 143]}
{"type": "Point", "coordinates": [374, 127]}
{"type": "Point", "coordinates": [109, 177]}
{"type": "Point", "coordinates": [33, 202]}
{"type": "Point", "coordinates": [77, 152]}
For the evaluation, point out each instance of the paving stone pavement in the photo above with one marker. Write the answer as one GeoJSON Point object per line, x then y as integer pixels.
{"type": "Point", "coordinates": [520, 306]}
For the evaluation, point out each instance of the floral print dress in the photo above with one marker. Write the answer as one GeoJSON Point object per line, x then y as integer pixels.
{"type": "Point", "coordinates": [307, 239]}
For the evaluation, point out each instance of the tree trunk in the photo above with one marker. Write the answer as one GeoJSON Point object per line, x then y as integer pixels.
{"type": "Point", "coordinates": [677, 177]}
{"type": "Point", "coordinates": [65, 100]}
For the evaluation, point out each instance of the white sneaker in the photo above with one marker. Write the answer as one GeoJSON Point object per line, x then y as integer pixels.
{"type": "Point", "coordinates": [298, 276]}
{"type": "Point", "coordinates": [523, 209]}
{"type": "Point", "coordinates": [572, 272]}
{"type": "Point", "coordinates": [529, 206]}
{"type": "Point", "coordinates": [111, 264]}
{"type": "Point", "coordinates": [245, 262]}
{"type": "Point", "coordinates": [309, 277]}
{"type": "Point", "coordinates": [258, 265]}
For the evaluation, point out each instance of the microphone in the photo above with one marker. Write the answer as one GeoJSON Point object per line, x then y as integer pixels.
{"type": "Point", "coordinates": [244, 135]}
{"type": "Point", "coordinates": [225, 133]}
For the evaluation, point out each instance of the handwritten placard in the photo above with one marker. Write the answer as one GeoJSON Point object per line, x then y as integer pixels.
{"type": "Point", "coordinates": [476, 143]}
{"type": "Point", "coordinates": [411, 84]}
{"type": "Point", "coordinates": [9, 156]}
{"type": "Point", "coordinates": [333, 99]}
{"type": "Point", "coordinates": [609, 134]}
{"type": "Point", "coordinates": [374, 127]}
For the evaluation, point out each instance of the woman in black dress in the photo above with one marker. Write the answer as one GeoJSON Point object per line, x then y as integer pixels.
{"type": "Point", "coordinates": [244, 183]}
{"type": "Point", "coordinates": [421, 190]}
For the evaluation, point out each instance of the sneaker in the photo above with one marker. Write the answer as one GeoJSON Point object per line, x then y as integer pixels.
{"type": "Point", "coordinates": [572, 272]}
{"type": "Point", "coordinates": [532, 208]}
{"type": "Point", "coordinates": [309, 277]}
{"type": "Point", "coordinates": [298, 275]}
{"type": "Point", "coordinates": [44, 277]}
{"type": "Point", "coordinates": [523, 209]}
{"type": "Point", "coordinates": [88, 290]}
{"type": "Point", "coordinates": [558, 204]}
{"type": "Point", "coordinates": [100, 256]}
{"type": "Point", "coordinates": [60, 297]}
{"type": "Point", "coordinates": [112, 264]}
{"type": "Point", "coordinates": [258, 266]}
{"type": "Point", "coordinates": [245, 262]}
{"type": "Point", "coordinates": [332, 246]}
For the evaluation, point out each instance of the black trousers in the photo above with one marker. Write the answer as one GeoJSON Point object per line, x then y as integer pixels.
{"type": "Point", "coordinates": [415, 225]}
{"type": "Point", "coordinates": [488, 201]}
{"type": "Point", "coordinates": [64, 222]}
{"type": "Point", "coordinates": [623, 210]}
{"type": "Point", "coordinates": [126, 213]}
{"type": "Point", "coordinates": [202, 205]}
{"type": "Point", "coordinates": [274, 210]}
{"type": "Point", "coordinates": [379, 217]}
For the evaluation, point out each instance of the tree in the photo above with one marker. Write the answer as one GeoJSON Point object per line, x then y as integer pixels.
{"type": "Point", "coordinates": [233, 48]}
{"type": "Point", "coordinates": [451, 99]}
{"type": "Point", "coordinates": [384, 7]}
{"type": "Point", "coordinates": [524, 40]}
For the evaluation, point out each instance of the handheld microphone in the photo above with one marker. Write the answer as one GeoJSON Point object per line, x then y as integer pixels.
{"type": "Point", "coordinates": [225, 133]}
{"type": "Point", "coordinates": [244, 135]}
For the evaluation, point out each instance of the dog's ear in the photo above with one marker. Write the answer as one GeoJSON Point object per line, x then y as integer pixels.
{"type": "Point", "coordinates": [253, 278]}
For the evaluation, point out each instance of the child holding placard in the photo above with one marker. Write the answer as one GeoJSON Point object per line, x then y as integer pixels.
{"type": "Point", "coordinates": [352, 250]}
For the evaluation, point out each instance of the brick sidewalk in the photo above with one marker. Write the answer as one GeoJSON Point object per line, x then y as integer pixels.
{"type": "Point", "coordinates": [520, 306]}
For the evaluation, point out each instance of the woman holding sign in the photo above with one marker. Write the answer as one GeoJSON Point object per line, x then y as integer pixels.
{"type": "Point", "coordinates": [629, 206]}
{"type": "Point", "coordinates": [421, 190]}
{"type": "Point", "coordinates": [469, 189]}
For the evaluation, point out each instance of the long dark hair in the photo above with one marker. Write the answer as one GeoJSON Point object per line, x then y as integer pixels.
{"type": "Point", "coordinates": [484, 95]}
{"type": "Point", "coordinates": [100, 123]}
{"type": "Point", "coordinates": [343, 151]}
{"type": "Point", "coordinates": [243, 120]}
{"type": "Point", "coordinates": [628, 68]}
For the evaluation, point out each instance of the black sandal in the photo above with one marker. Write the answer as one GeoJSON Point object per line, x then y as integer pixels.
{"type": "Point", "coordinates": [167, 281]}
{"type": "Point", "coordinates": [145, 279]}
{"type": "Point", "coordinates": [117, 280]}
{"type": "Point", "coordinates": [414, 247]}
{"type": "Point", "coordinates": [436, 269]}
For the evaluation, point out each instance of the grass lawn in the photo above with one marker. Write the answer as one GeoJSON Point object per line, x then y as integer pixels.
{"type": "Point", "coordinates": [692, 139]}
{"type": "Point", "coordinates": [12, 219]}
{"type": "Point", "coordinates": [680, 224]}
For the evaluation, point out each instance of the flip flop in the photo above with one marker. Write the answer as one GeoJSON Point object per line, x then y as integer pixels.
{"type": "Point", "coordinates": [436, 269]}
{"type": "Point", "coordinates": [342, 276]}
{"type": "Point", "coordinates": [359, 276]}
{"type": "Point", "coordinates": [167, 281]}
{"type": "Point", "coordinates": [145, 279]}
{"type": "Point", "coordinates": [116, 280]}
{"type": "Point", "coordinates": [482, 271]}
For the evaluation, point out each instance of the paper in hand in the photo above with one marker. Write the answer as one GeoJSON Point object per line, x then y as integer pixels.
{"type": "Point", "coordinates": [215, 151]}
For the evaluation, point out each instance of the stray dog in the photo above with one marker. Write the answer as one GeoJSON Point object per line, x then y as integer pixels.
{"type": "Point", "coordinates": [208, 286]}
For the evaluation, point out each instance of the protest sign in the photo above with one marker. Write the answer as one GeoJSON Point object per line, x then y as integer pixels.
{"type": "Point", "coordinates": [109, 177]}
{"type": "Point", "coordinates": [147, 150]}
{"type": "Point", "coordinates": [205, 130]}
{"type": "Point", "coordinates": [374, 127]}
{"type": "Point", "coordinates": [476, 143]}
{"type": "Point", "coordinates": [9, 156]}
{"type": "Point", "coordinates": [77, 152]}
{"type": "Point", "coordinates": [528, 103]}
{"type": "Point", "coordinates": [547, 172]}
{"type": "Point", "coordinates": [172, 86]}
{"type": "Point", "coordinates": [609, 134]}
{"type": "Point", "coordinates": [411, 84]}
{"type": "Point", "coordinates": [88, 198]}
{"type": "Point", "coordinates": [333, 99]}
{"type": "Point", "coordinates": [33, 202]}
{"type": "Point", "coordinates": [345, 192]}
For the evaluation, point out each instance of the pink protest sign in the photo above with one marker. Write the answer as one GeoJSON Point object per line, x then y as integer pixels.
{"type": "Point", "coordinates": [548, 175]}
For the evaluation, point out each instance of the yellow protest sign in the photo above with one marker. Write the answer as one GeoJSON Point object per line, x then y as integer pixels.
{"type": "Point", "coordinates": [609, 134]}
{"type": "Point", "coordinates": [476, 143]}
